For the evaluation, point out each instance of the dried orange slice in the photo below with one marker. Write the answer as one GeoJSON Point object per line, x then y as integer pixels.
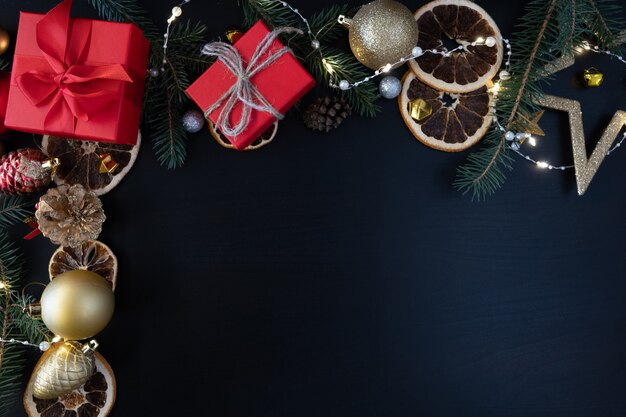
{"type": "Point", "coordinates": [94, 399]}
{"type": "Point", "coordinates": [462, 22]}
{"type": "Point", "coordinates": [81, 162]}
{"type": "Point", "coordinates": [92, 256]}
{"type": "Point", "coordinates": [458, 121]}
{"type": "Point", "coordinates": [265, 138]}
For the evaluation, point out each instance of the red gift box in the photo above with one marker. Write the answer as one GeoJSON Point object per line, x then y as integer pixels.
{"type": "Point", "coordinates": [77, 78]}
{"type": "Point", "coordinates": [5, 81]}
{"type": "Point", "coordinates": [282, 84]}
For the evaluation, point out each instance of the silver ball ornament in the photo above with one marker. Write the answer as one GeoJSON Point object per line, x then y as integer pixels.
{"type": "Point", "coordinates": [193, 121]}
{"type": "Point", "coordinates": [390, 87]}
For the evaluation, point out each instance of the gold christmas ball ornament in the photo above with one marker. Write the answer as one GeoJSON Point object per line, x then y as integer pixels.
{"type": "Point", "coordinates": [77, 304]}
{"type": "Point", "coordinates": [5, 40]}
{"type": "Point", "coordinates": [381, 33]}
{"type": "Point", "coordinates": [64, 367]}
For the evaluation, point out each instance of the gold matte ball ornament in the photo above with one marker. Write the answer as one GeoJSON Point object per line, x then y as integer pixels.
{"type": "Point", "coordinates": [381, 33]}
{"type": "Point", "coordinates": [77, 304]}
{"type": "Point", "coordinates": [5, 40]}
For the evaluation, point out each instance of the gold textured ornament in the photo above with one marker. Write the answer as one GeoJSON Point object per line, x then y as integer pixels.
{"type": "Point", "coordinates": [64, 367]}
{"type": "Point", "coordinates": [77, 304]}
{"type": "Point", "coordinates": [233, 34]}
{"type": "Point", "coordinates": [107, 164]}
{"type": "Point", "coordinates": [593, 77]}
{"type": "Point", "coordinates": [585, 167]}
{"type": "Point", "coordinates": [381, 33]}
{"type": "Point", "coordinates": [420, 110]}
{"type": "Point", "coordinates": [5, 40]}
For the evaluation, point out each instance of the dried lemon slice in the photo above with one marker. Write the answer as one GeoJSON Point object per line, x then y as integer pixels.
{"type": "Point", "coordinates": [462, 22]}
{"type": "Point", "coordinates": [82, 162]}
{"type": "Point", "coordinates": [94, 399]}
{"type": "Point", "coordinates": [457, 122]}
{"type": "Point", "coordinates": [92, 256]}
{"type": "Point", "coordinates": [265, 138]}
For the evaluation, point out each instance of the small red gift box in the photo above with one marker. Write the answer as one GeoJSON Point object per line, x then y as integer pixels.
{"type": "Point", "coordinates": [77, 78]}
{"type": "Point", "coordinates": [282, 84]}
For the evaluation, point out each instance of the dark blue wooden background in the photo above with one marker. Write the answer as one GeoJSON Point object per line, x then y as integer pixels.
{"type": "Point", "coordinates": [341, 275]}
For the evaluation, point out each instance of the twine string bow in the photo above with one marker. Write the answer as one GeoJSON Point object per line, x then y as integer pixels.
{"type": "Point", "coordinates": [243, 90]}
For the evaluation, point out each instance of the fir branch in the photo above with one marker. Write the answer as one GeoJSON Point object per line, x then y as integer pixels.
{"type": "Point", "coordinates": [11, 356]}
{"type": "Point", "coordinates": [3, 64]}
{"type": "Point", "coordinates": [484, 171]}
{"type": "Point", "coordinates": [14, 209]}
{"type": "Point", "coordinates": [126, 11]}
{"type": "Point", "coordinates": [165, 121]}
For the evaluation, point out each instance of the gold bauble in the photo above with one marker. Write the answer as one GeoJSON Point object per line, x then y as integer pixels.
{"type": "Point", "coordinates": [5, 41]}
{"type": "Point", "coordinates": [64, 367]}
{"type": "Point", "coordinates": [77, 304]}
{"type": "Point", "coordinates": [382, 32]}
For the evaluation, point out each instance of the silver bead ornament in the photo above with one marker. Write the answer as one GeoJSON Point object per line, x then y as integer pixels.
{"type": "Point", "coordinates": [390, 87]}
{"type": "Point", "coordinates": [193, 121]}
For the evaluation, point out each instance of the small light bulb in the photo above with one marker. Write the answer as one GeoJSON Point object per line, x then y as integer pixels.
{"type": "Point", "coordinates": [3, 285]}
{"type": "Point", "coordinates": [328, 67]}
{"type": "Point", "coordinates": [532, 141]}
{"type": "Point", "coordinates": [480, 40]}
{"type": "Point", "coordinates": [56, 339]}
{"type": "Point", "coordinates": [387, 68]}
{"type": "Point", "coordinates": [542, 164]}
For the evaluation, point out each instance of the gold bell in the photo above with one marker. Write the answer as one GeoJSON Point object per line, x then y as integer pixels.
{"type": "Point", "coordinates": [420, 110]}
{"type": "Point", "coordinates": [593, 77]}
{"type": "Point", "coordinates": [233, 34]}
{"type": "Point", "coordinates": [51, 165]}
{"type": "Point", "coordinates": [107, 164]}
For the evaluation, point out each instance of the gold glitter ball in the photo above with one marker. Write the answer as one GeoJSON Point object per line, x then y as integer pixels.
{"type": "Point", "coordinates": [381, 33]}
{"type": "Point", "coordinates": [420, 110]}
{"type": "Point", "coordinates": [593, 77]}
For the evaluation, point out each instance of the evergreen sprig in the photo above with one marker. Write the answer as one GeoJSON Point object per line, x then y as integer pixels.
{"type": "Point", "coordinates": [548, 30]}
{"type": "Point", "coordinates": [14, 209]}
{"type": "Point", "coordinates": [12, 356]}
{"type": "Point", "coordinates": [326, 29]}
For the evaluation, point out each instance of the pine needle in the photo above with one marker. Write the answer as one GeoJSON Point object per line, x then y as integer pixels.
{"type": "Point", "coordinates": [14, 209]}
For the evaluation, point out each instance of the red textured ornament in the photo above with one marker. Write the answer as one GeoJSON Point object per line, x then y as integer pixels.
{"type": "Point", "coordinates": [22, 172]}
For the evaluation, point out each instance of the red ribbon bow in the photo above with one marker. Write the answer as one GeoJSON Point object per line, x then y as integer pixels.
{"type": "Point", "coordinates": [69, 85]}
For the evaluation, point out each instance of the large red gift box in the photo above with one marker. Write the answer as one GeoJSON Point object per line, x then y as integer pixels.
{"type": "Point", "coordinates": [282, 84]}
{"type": "Point", "coordinates": [77, 78]}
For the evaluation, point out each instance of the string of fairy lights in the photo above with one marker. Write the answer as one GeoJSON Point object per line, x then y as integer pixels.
{"type": "Point", "coordinates": [514, 139]}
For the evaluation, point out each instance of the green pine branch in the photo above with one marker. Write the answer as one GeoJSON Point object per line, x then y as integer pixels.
{"type": "Point", "coordinates": [535, 44]}
{"type": "Point", "coordinates": [14, 209]}
{"type": "Point", "coordinates": [126, 11]}
{"type": "Point", "coordinates": [326, 29]}
{"type": "Point", "coordinates": [12, 357]}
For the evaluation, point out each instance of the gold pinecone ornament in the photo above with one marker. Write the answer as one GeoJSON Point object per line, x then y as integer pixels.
{"type": "Point", "coordinates": [326, 113]}
{"type": "Point", "coordinates": [64, 367]}
{"type": "Point", "coordinates": [70, 215]}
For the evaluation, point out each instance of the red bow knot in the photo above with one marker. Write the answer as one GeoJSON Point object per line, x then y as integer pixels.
{"type": "Point", "coordinates": [69, 85]}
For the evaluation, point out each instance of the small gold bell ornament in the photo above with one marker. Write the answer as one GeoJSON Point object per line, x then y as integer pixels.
{"type": "Point", "coordinates": [62, 368]}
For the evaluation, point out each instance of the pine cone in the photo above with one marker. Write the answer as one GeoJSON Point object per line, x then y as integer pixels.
{"type": "Point", "coordinates": [326, 113]}
{"type": "Point", "coordinates": [21, 172]}
{"type": "Point", "coordinates": [70, 215]}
